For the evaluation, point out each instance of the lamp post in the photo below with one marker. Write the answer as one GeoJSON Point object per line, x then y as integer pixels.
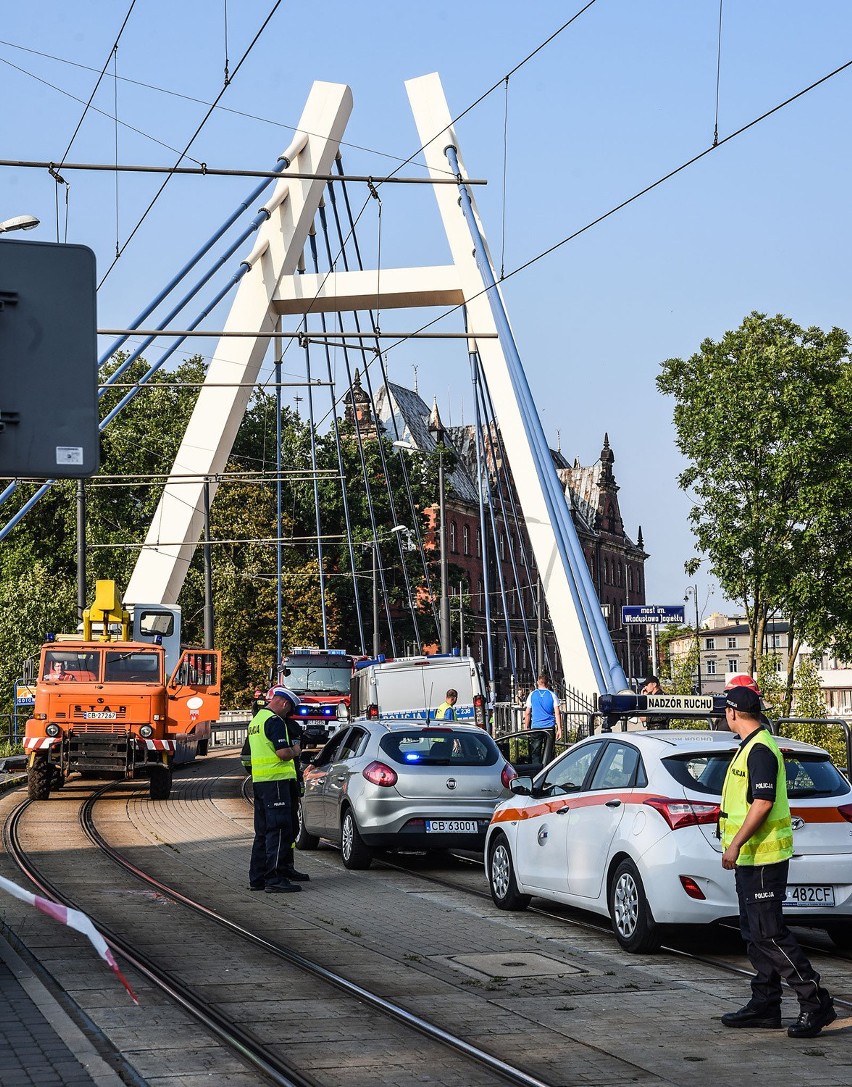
{"type": "Point", "coordinates": [694, 590]}
{"type": "Point", "coordinates": [19, 222]}
{"type": "Point", "coordinates": [444, 635]}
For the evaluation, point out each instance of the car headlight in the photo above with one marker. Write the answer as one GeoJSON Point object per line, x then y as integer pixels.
{"type": "Point", "coordinates": [342, 711]}
{"type": "Point", "coordinates": [52, 730]}
{"type": "Point", "coordinates": [145, 731]}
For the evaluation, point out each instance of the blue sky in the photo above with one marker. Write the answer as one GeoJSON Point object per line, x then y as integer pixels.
{"type": "Point", "coordinates": [617, 100]}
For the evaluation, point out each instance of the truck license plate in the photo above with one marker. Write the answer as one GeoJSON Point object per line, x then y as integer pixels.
{"type": "Point", "coordinates": [99, 715]}
{"type": "Point", "coordinates": [801, 895]}
{"type": "Point", "coordinates": [451, 826]}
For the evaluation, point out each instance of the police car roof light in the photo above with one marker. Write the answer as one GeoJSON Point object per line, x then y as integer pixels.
{"type": "Point", "coordinates": [371, 660]}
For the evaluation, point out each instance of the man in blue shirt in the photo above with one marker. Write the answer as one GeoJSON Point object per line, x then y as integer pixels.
{"type": "Point", "coordinates": [542, 708]}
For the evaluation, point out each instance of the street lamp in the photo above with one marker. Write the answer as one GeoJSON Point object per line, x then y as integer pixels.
{"type": "Point", "coordinates": [20, 222]}
{"type": "Point", "coordinates": [694, 590]}
{"type": "Point", "coordinates": [374, 544]}
{"type": "Point", "coordinates": [444, 611]}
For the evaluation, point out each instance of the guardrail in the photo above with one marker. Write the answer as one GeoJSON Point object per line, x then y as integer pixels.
{"type": "Point", "coordinates": [230, 730]}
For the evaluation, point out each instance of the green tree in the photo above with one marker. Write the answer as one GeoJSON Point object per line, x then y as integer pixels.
{"type": "Point", "coordinates": [763, 418]}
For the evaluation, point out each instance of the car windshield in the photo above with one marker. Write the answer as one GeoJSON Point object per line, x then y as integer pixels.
{"type": "Point", "coordinates": [440, 747]}
{"type": "Point", "coordinates": [318, 679]}
{"type": "Point", "coordinates": [808, 775]}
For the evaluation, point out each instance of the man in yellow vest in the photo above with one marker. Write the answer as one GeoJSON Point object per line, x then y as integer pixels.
{"type": "Point", "coordinates": [447, 710]}
{"type": "Point", "coordinates": [274, 751]}
{"type": "Point", "coordinates": [757, 838]}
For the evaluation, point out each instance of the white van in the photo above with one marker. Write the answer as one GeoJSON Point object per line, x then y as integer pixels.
{"type": "Point", "coordinates": [416, 686]}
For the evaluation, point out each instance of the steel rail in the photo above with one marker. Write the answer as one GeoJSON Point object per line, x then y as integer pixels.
{"type": "Point", "coordinates": [236, 1038]}
{"type": "Point", "coordinates": [395, 1011]}
{"type": "Point", "coordinates": [603, 928]}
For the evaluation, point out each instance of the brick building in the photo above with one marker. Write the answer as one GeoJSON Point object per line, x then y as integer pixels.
{"type": "Point", "coordinates": [616, 563]}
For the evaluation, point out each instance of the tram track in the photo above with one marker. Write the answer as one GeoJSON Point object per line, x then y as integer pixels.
{"type": "Point", "coordinates": [245, 1043]}
{"type": "Point", "coordinates": [593, 924]}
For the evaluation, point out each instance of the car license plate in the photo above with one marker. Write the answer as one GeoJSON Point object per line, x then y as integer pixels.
{"type": "Point", "coordinates": [451, 826]}
{"type": "Point", "coordinates": [806, 894]}
{"type": "Point", "coordinates": [100, 715]}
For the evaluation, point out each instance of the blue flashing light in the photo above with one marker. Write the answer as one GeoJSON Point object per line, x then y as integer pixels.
{"type": "Point", "coordinates": [373, 660]}
{"type": "Point", "coordinates": [50, 637]}
{"type": "Point", "coordinates": [328, 710]}
{"type": "Point", "coordinates": [622, 703]}
{"type": "Point", "coordinates": [412, 756]}
{"type": "Point", "coordinates": [158, 639]}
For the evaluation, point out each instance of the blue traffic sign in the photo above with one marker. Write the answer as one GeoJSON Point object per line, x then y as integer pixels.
{"type": "Point", "coordinates": [652, 614]}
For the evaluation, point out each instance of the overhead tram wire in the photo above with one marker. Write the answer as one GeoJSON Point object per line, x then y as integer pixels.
{"type": "Point", "coordinates": [192, 139]}
{"type": "Point", "coordinates": [97, 84]}
{"type": "Point", "coordinates": [624, 203]}
{"type": "Point", "coordinates": [170, 93]}
{"type": "Point", "coordinates": [203, 170]}
{"type": "Point", "coordinates": [317, 516]}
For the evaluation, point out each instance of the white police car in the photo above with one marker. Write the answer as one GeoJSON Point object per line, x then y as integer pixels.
{"type": "Point", "coordinates": [624, 825]}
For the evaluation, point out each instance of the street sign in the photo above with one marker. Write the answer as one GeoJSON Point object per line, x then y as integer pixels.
{"type": "Point", "coordinates": [652, 614]}
{"type": "Point", "coordinates": [683, 705]}
{"type": "Point", "coordinates": [24, 694]}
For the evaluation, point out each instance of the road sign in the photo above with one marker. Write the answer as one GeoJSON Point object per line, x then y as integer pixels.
{"type": "Point", "coordinates": [652, 614]}
{"type": "Point", "coordinates": [24, 694]}
{"type": "Point", "coordinates": [683, 705]}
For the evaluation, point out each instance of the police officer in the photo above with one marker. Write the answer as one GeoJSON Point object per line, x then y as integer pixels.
{"type": "Point", "coordinates": [447, 710]}
{"type": "Point", "coordinates": [757, 838]}
{"type": "Point", "coordinates": [273, 770]}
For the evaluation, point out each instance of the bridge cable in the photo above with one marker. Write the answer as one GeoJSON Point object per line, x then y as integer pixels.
{"type": "Point", "coordinates": [340, 465]}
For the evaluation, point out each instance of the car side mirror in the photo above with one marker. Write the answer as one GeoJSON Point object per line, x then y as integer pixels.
{"type": "Point", "coordinates": [521, 785]}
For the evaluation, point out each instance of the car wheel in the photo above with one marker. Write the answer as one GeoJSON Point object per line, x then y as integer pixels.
{"type": "Point", "coordinates": [355, 854]}
{"type": "Point", "coordinates": [304, 840]}
{"type": "Point", "coordinates": [501, 877]}
{"type": "Point", "coordinates": [632, 920]}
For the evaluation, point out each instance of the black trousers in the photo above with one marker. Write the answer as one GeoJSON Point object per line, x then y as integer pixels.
{"type": "Point", "coordinates": [772, 948]}
{"type": "Point", "coordinates": [274, 833]}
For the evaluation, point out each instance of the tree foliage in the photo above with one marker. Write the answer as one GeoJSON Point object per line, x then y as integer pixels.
{"type": "Point", "coordinates": [763, 419]}
{"type": "Point", "coordinates": [38, 571]}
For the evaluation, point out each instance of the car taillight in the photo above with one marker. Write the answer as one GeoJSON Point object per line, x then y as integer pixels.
{"type": "Point", "coordinates": [684, 813]}
{"type": "Point", "coordinates": [508, 773]}
{"type": "Point", "coordinates": [379, 774]}
{"type": "Point", "coordinates": [373, 712]}
{"type": "Point", "coordinates": [478, 710]}
{"type": "Point", "coordinates": [691, 887]}
{"type": "Point", "coordinates": [846, 811]}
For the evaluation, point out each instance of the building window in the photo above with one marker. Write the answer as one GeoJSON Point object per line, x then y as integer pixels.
{"type": "Point", "coordinates": [630, 578]}
{"type": "Point", "coordinates": [610, 519]}
{"type": "Point", "coordinates": [732, 643]}
{"type": "Point", "coordinates": [711, 668]}
{"type": "Point", "coordinates": [733, 664]}
{"type": "Point", "coordinates": [606, 571]}
{"type": "Point", "coordinates": [779, 664]}
{"type": "Point", "coordinates": [618, 574]}
{"type": "Point", "coordinates": [481, 596]}
{"type": "Point", "coordinates": [774, 641]}
{"type": "Point", "coordinates": [466, 539]}
{"type": "Point", "coordinates": [478, 544]}
{"type": "Point", "coordinates": [709, 643]}
{"type": "Point", "coordinates": [453, 537]}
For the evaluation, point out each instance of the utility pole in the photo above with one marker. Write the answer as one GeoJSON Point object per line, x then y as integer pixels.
{"type": "Point", "coordinates": [81, 548]}
{"type": "Point", "coordinates": [694, 590]}
{"type": "Point", "coordinates": [209, 624]}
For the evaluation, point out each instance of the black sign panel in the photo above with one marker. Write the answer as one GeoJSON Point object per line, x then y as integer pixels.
{"type": "Point", "coordinates": [48, 361]}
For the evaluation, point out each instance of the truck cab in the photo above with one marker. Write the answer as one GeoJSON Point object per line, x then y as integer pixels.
{"type": "Point", "coordinates": [321, 679]}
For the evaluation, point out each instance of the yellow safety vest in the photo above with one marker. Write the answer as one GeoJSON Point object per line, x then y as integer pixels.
{"type": "Point", "coordinates": [265, 764]}
{"type": "Point", "coordinates": [445, 712]}
{"type": "Point", "coordinates": [773, 839]}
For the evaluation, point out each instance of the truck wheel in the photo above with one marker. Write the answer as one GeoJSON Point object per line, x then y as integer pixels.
{"type": "Point", "coordinates": [39, 776]}
{"type": "Point", "coordinates": [304, 840]}
{"type": "Point", "coordinates": [57, 778]}
{"type": "Point", "coordinates": [355, 854]}
{"type": "Point", "coordinates": [161, 783]}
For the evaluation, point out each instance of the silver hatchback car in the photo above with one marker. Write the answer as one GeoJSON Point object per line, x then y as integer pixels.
{"type": "Point", "coordinates": [402, 784]}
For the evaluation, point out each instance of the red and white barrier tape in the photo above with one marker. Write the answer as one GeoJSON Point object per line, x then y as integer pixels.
{"type": "Point", "coordinates": [37, 743]}
{"type": "Point", "coordinates": [158, 745]}
{"type": "Point", "coordinates": [73, 919]}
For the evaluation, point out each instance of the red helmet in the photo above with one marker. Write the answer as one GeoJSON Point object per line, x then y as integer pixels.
{"type": "Point", "coordinates": [742, 679]}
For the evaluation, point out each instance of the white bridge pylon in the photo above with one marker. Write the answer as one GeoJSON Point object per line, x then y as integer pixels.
{"type": "Point", "coordinates": [273, 287]}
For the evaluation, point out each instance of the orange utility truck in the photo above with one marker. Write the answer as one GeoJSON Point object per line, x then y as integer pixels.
{"type": "Point", "coordinates": [122, 700]}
